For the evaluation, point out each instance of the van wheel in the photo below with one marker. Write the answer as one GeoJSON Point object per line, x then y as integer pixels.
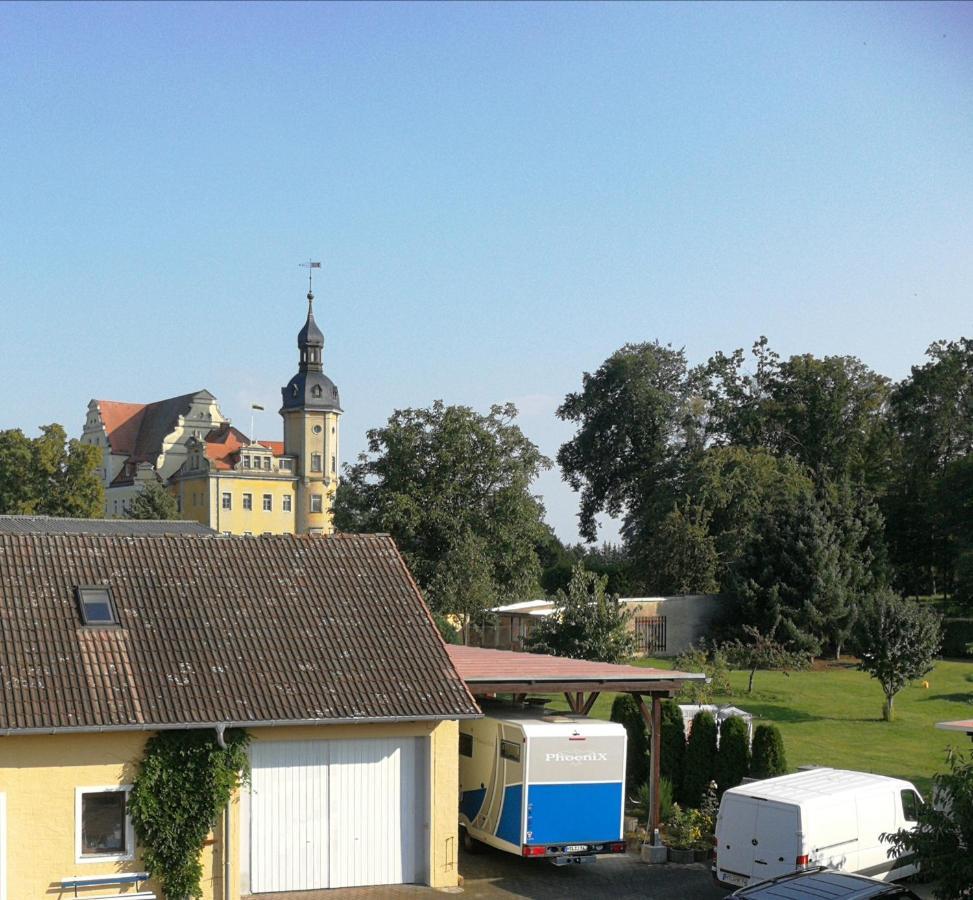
{"type": "Point", "coordinates": [470, 844]}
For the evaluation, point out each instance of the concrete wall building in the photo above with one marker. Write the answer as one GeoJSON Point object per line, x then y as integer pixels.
{"type": "Point", "coordinates": [663, 626]}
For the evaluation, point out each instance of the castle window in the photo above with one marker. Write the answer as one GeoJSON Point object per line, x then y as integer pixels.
{"type": "Point", "coordinates": [315, 503]}
{"type": "Point", "coordinates": [246, 462]}
{"type": "Point", "coordinates": [334, 464]}
{"type": "Point", "coordinates": [286, 502]}
{"type": "Point", "coordinates": [267, 463]}
{"type": "Point", "coordinates": [287, 465]}
{"type": "Point", "coordinates": [248, 501]}
{"type": "Point", "coordinates": [268, 503]}
{"type": "Point", "coordinates": [315, 462]}
{"type": "Point", "coordinates": [227, 500]}
{"type": "Point", "coordinates": [316, 390]}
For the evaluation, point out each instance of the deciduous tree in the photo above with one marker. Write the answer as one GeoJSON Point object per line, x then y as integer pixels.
{"type": "Point", "coordinates": [758, 650]}
{"type": "Point", "coordinates": [634, 418]}
{"type": "Point", "coordinates": [898, 641]}
{"type": "Point", "coordinates": [453, 487]}
{"type": "Point", "coordinates": [49, 475]}
{"type": "Point", "coordinates": [943, 836]}
{"type": "Point", "coordinates": [585, 623]}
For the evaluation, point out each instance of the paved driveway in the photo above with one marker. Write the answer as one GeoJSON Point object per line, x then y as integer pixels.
{"type": "Point", "coordinates": [494, 875]}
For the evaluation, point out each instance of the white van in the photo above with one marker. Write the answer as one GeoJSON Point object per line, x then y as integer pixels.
{"type": "Point", "coordinates": [819, 817]}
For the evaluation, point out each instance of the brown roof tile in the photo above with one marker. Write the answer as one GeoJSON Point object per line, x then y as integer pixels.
{"type": "Point", "coordinates": [232, 630]}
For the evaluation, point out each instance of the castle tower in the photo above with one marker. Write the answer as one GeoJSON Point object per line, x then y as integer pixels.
{"type": "Point", "coordinates": [311, 411]}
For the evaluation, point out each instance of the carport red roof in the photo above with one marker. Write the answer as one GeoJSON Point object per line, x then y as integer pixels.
{"type": "Point", "coordinates": [962, 725]}
{"type": "Point", "coordinates": [482, 665]}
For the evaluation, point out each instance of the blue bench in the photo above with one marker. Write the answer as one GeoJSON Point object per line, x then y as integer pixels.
{"type": "Point", "coordinates": [119, 880]}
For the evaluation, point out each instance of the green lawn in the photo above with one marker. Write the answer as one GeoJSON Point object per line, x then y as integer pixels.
{"type": "Point", "coordinates": [832, 717]}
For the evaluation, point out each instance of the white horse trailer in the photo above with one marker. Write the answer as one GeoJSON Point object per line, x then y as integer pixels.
{"type": "Point", "coordinates": [542, 784]}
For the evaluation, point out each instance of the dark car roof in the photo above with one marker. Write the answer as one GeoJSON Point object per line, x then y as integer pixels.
{"type": "Point", "coordinates": [821, 884]}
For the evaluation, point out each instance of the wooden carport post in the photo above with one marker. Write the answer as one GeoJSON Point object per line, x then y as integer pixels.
{"type": "Point", "coordinates": [653, 721]}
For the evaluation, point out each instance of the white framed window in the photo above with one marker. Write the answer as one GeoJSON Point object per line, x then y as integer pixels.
{"type": "Point", "coordinates": [315, 503]}
{"type": "Point", "coordinates": [286, 502]}
{"type": "Point", "coordinates": [246, 461]}
{"type": "Point", "coordinates": [266, 463]}
{"type": "Point", "coordinates": [268, 502]}
{"type": "Point", "coordinates": [248, 501]}
{"type": "Point", "coordinates": [103, 830]}
{"type": "Point", "coordinates": [227, 500]}
{"type": "Point", "coordinates": [286, 465]}
{"type": "Point", "coordinates": [315, 462]}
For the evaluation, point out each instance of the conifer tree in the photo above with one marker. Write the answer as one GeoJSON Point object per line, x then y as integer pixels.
{"type": "Point", "coordinates": [768, 752]}
{"type": "Point", "coordinates": [733, 755]}
{"type": "Point", "coordinates": [700, 762]}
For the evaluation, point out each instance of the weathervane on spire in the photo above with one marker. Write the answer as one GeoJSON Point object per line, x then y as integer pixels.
{"type": "Point", "coordinates": [310, 266]}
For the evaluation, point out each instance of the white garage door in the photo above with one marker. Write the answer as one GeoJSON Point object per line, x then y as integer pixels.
{"type": "Point", "coordinates": [327, 814]}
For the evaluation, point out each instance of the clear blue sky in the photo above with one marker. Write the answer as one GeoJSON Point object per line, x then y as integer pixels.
{"type": "Point", "coordinates": [502, 195]}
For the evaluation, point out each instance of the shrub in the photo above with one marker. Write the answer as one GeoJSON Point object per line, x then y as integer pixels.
{"type": "Point", "coordinates": [768, 752]}
{"type": "Point", "coordinates": [673, 740]}
{"type": "Point", "coordinates": [733, 755]}
{"type": "Point", "coordinates": [700, 763]}
{"type": "Point", "coordinates": [666, 799]}
{"type": "Point", "coordinates": [625, 711]}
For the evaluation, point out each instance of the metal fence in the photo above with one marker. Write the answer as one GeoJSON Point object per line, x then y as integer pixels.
{"type": "Point", "coordinates": [650, 634]}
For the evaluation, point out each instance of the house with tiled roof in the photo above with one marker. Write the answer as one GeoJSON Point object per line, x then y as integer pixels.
{"type": "Point", "coordinates": [321, 649]}
{"type": "Point", "coordinates": [221, 477]}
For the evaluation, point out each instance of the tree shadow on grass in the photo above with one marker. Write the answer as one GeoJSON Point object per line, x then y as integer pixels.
{"type": "Point", "coordinates": [778, 713]}
{"type": "Point", "coordinates": [966, 698]}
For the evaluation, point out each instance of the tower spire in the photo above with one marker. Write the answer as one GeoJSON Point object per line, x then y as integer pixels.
{"type": "Point", "coordinates": [310, 266]}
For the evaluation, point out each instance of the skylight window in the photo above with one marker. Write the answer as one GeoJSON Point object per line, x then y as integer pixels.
{"type": "Point", "coordinates": [96, 606]}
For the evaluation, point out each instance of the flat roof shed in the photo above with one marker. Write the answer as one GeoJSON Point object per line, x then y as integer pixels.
{"type": "Point", "coordinates": [488, 671]}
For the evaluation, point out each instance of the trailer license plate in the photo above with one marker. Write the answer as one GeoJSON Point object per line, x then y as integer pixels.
{"type": "Point", "coordinates": [575, 848]}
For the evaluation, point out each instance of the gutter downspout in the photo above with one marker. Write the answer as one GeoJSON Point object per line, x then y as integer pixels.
{"type": "Point", "coordinates": [220, 729]}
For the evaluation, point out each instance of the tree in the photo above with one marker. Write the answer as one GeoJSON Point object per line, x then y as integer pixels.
{"type": "Point", "coordinates": [954, 499]}
{"type": "Point", "coordinates": [49, 475]}
{"type": "Point", "coordinates": [759, 650]}
{"type": "Point", "coordinates": [709, 660]}
{"type": "Point", "coordinates": [898, 641]}
{"type": "Point", "coordinates": [735, 486]}
{"type": "Point", "coordinates": [672, 739]}
{"type": "Point", "coordinates": [452, 487]}
{"type": "Point", "coordinates": [943, 836]}
{"type": "Point", "coordinates": [733, 754]}
{"type": "Point", "coordinates": [700, 761]}
{"type": "Point", "coordinates": [153, 502]}
{"type": "Point", "coordinates": [826, 413]}
{"type": "Point", "coordinates": [681, 558]}
{"type": "Point", "coordinates": [792, 582]}
{"type": "Point", "coordinates": [625, 710]}
{"type": "Point", "coordinates": [931, 416]}
{"type": "Point", "coordinates": [585, 623]}
{"type": "Point", "coordinates": [768, 759]}
{"type": "Point", "coordinates": [634, 419]}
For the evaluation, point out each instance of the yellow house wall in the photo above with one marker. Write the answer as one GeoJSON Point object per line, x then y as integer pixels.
{"type": "Point", "coordinates": [39, 775]}
{"type": "Point", "coordinates": [238, 520]}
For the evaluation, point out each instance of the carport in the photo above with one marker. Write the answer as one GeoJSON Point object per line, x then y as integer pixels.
{"type": "Point", "coordinates": [487, 672]}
